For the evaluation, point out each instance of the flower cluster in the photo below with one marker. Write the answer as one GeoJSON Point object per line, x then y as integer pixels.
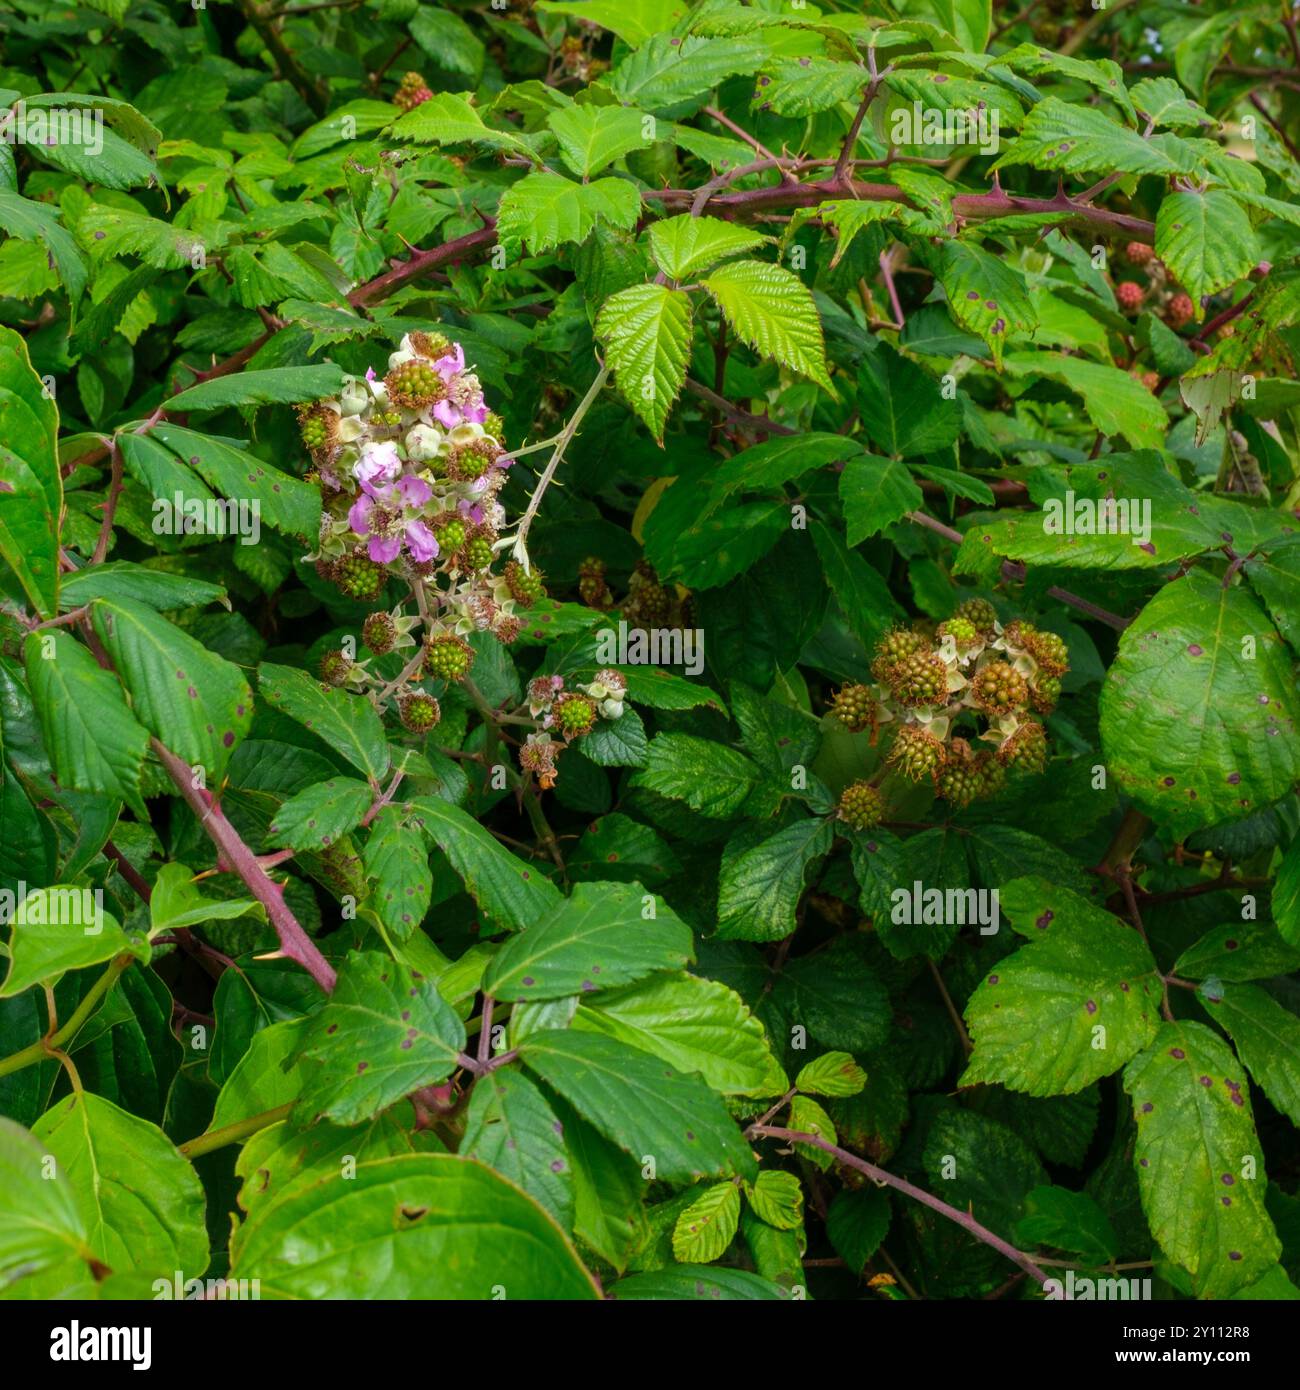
{"type": "Point", "coordinates": [410, 465]}
{"type": "Point", "coordinates": [972, 681]}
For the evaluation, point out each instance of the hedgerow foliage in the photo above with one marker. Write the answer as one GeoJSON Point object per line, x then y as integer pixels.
{"type": "Point", "coordinates": [663, 634]}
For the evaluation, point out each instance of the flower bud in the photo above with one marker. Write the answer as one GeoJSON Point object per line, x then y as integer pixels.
{"type": "Point", "coordinates": [423, 442]}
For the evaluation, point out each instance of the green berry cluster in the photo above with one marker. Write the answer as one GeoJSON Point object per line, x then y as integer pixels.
{"type": "Point", "coordinates": [972, 680]}
{"type": "Point", "coordinates": [861, 806]}
{"type": "Point", "coordinates": [448, 657]}
{"type": "Point", "coordinates": [573, 714]}
{"type": "Point", "coordinates": [414, 384]}
{"type": "Point", "coordinates": [359, 577]}
{"type": "Point", "coordinates": [419, 712]}
{"type": "Point", "coordinates": [525, 587]}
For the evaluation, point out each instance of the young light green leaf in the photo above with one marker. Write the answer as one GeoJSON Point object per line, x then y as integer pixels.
{"type": "Point", "coordinates": [1114, 402]}
{"type": "Point", "coordinates": [831, 1074]}
{"type": "Point", "coordinates": [1206, 240]}
{"type": "Point", "coordinates": [683, 245]}
{"type": "Point", "coordinates": [777, 1198]}
{"type": "Point", "coordinates": [447, 118]}
{"type": "Point", "coordinates": [177, 903]}
{"type": "Point", "coordinates": [808, 1117]}
{"type": "Point", "coordinates": [58, 929]}
{"type": "Point", "coordinates": [705, 1229]}
{"type": "Point", "coordinates": [40, 1225]}
{"type": "Point", "coordinates": [772, 311]}
{"type": "Point", "coordinates": [102, 1151]}
{"type": "Point", "coordinates": [633, 21]}
{"type": "Point", "coordinates": [592, 137]}
{"type": "Point", "coordinates": [544, 210]}
{"type": "Point", "coordinates": [695, 1025]}
{"type": "Point", "coordinates": [647, 333]}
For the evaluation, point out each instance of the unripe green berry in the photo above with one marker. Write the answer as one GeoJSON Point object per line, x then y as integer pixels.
{"type": "Point", "coordinates": [334, 668]}
{"type": "Point", "coordinates": [573, 714]}
{"type": "Point", "coordinates": [960, 783]}
{"type": "Point", "coordinates": [359, 577]}
{"type": "Point", "coordinates": [861, 806]}
{"type": "Point", "coordinates": [895, 646]}
{"type": "Point", "coordinates": [917, 753]}
{"type": "Point", "coordinates": [449, 658]}
{"type": "Point", "coordinates": [1044, 693]}
{"type": "Point", "coordinates": [962, 631]}
{"type": "Point", "coordinates": [980, 612]}
{"type": "Point", "coordinates": [525, 588]}
{"type": "Point", "coordinates": [919, 679]}
{"type": "Point", "coordinates": [379, 633]}
{"type": "Point", "coordinates": [855, 708]}
{"type": "Point", "coordinates": [450, 536]}
{"type": "Point", "coordinates": [1051, 654]}
{"type": "Point", "coordinates": [419, 712]}
{"type": "Point", "coordinates": [478, 553]}
{"type": "Point", "coordinates": [1026, 749]}
{"type": "Point", "coordinates": [414, 384]}
{"type": "Point", "coordinates": [998, 688]}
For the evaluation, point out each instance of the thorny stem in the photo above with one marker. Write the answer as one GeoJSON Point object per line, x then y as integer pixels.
{"type": "Point", "coordinates": [565, 438]}
{"type": "Point", "coordinates": [485, 1029]}
{"type": "Point", "coordinates": [879, 1175]}
{"type": "Point", "coordinates": [887, 273]}
{"type": "Point", "coordinates": [294, 941]}
{"type": "Point", "coordinates": [411, 666]}
{"type": "Point", "coordinates": [851, 139]}
{"type": "Point", "coordinates": [384, 799]}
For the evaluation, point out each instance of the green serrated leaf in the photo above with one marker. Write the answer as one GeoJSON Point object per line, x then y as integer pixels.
{"type": "Point", "coordinates": [647, 332]}
{"type": "Point", "coordinates": [772, 311]}
{"type": "Point", "coordinates": [384, 1032]}
{"type": "Point", "coordinates": [1199, 1166]}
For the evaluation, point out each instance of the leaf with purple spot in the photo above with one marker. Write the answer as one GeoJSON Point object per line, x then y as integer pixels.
{"type": "Point", "coordinates": [384, 1032]}
{"type": "Point", "coordinates": [1196, 1145]}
